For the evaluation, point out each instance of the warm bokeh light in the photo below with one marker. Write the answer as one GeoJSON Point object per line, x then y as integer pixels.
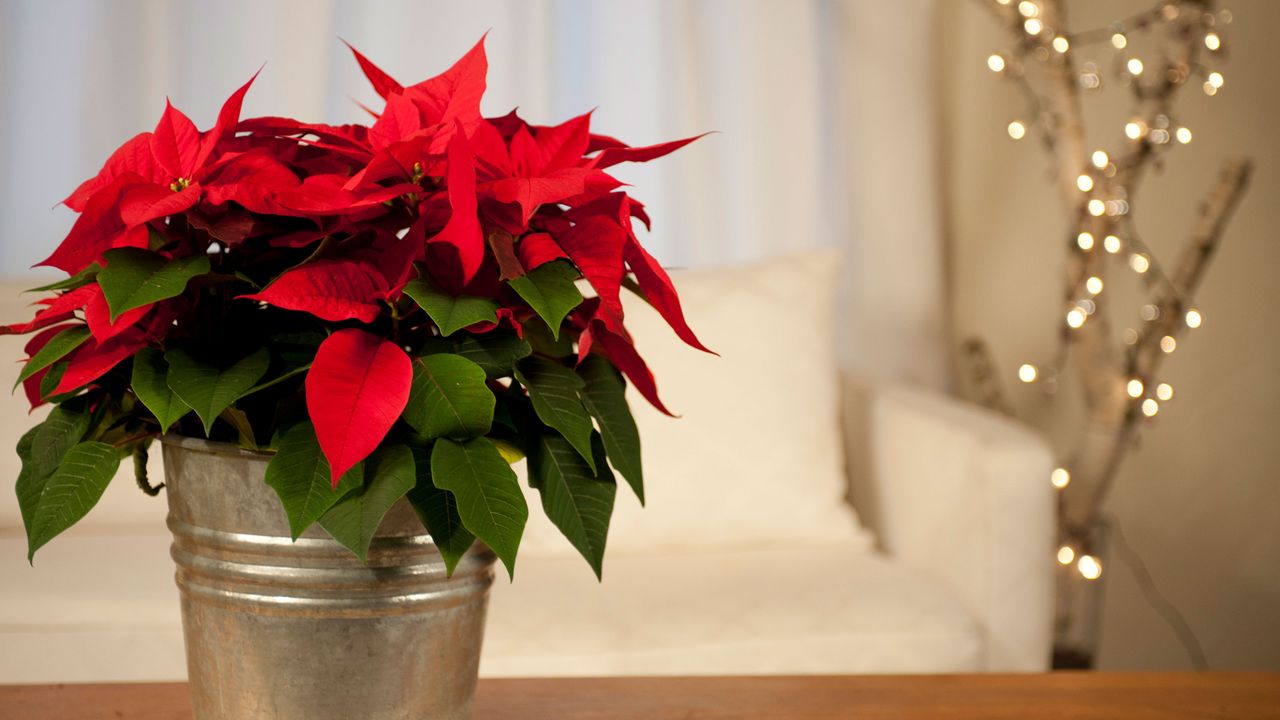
{"type": "Point", "coordinates": [1017, 130]}
{"type": "Point", "coordinates": [1084, 241]}
{"type": "Point", "coordinates": [1139, 262]}
{"type": "Point", "coordinates": [1093, 285]}
{"type": "Point", "coordinates": [1212, 41]}
{"type": "Point", "coordinates": [996, 62]}
{"type": "Point", "coordinates": [1194, 318]}
{"type": "Point", "coordinates": [1150, 407]}
{"type": "Point", "coordinates": [1060, 478]}
{"type": "Point", "coordinates": [1134, 387]}
{"type": "Point", "coordinates": [1164, 391]}
{"type": "Point", "coordinates": [1168, 344]}
{"type": "Point", "coordinates": [1111, 244]}
{"type": "Point", "coordinates": [1090, 567]}
{"type": "Point", "coordinates": [1066, 555]}
{"type": "Point", "coordinates": [1027, 373]}
{"type": "Point", "coordinates": [1075, 317]}
{"type": "Point", "coordinates": [1134, 66]}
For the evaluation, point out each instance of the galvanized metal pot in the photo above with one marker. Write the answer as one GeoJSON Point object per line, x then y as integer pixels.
{"type": "Point", "coordinates": [282, 630]}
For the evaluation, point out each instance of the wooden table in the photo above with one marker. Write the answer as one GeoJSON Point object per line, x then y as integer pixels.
{"type": "Point", "coordinates": [1080, 696]}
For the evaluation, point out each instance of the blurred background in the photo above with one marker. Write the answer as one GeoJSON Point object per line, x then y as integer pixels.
{"type": "Point", "coordinates": [870, 127]}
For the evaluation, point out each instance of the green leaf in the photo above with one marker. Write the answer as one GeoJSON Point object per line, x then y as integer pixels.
{"type": "Point", "coordinates": [550, 291]}
{"type": "Point", "coordinates": [80, 279]}
{"type": "Point", "coordinates": [578, 501]}
{"type": "Point", "coordinates": [553, 388]}
{"type": "Point", "coordinates": [496, 353]}
{"type": "Point", "coordinates": [71, 492]}
{"type": "Point", "coordinates": [239, 420]}
{"type": "Point", "coordinates": [208, 390]}
{"type": "Point", "coordinates": [438, 511]}
{"type": "Point", "coordinates": [448, 312]}
{"type": "Point", "coordinates": [30, 480]}
{"type": "Point", "coordinates": [134, 277]}
{"type": "Point", "coordinates": [449, 398]}
{"type": "Point", "coordinates": [59, 432]}
{"type": "Point", "coordinates": [606, 400]}
{"type": "Point", "coordinates": [151, 385]}
{"type": "Point", "coordinates": [299, 474]}
{"type": "Point", "coordinates": [488, 494]}
{"type": "Point", "coordinates": [354, 520]}
{"type": "Point", "coordinates": [57, 348]}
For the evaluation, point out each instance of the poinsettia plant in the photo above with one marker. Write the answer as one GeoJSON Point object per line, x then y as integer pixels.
{"type": "Point", "coordinates": [399, 308]}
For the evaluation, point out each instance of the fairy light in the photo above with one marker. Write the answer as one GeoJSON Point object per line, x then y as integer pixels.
{"type": "Point", "coordinates": [1060, 478]}
{"type": "Point", "coordinates": [1134, 129]}
{"type": "Point", "coordinates": [1212, 41]}
{"type": "Point", "coordinates": [1168, 344]}
{"type": "Point", "coordinates": [1093, 285]}
{"type": "Point", "coordinates": [1075, 317]}
{"type": "Point", "coordinates": [1134, 387]}
{"type": "Point", "coordinates": [1017, 130]}
{"type": "Point", "coordinates": [1084, 241]}
{"type": "Point", "coordinates": [1090, 567]}
{"type": "Point", "coordinates": [1033, 26]}
{"type": "Point", "coordinates": [1027, 373]}
{"type": "Point", "coordinates": [1097, 207]}
{"type": "Point", "coordinates": [1028, 9]}
{"type": "Point", "coordinates": [1100, 159]}
{"type": "Point", "coordinates": [1119, 41]}
{"type": "Point", "coordinates": [996, 63]}
{"type": "Point", "coordinates": [1215, 79]}
{"type": "Point", "coordinates": [1085, 183]}
{"type": "Point", "coordinates": [1183, 134]}
{"type": "Point", "coordinates": [1066, 555]}
{"type": "Point", "coordinates": [1210, 89]}
{"type": "Point", "coordinates": [1111, 244]}
{"type": "Point", "coordinates": [1150, 407]}
{"type": "Point", "coordinates": [1193, 318]}
{"type": "Point", "coordinates": [1164, 391]}
{"type": "Point", "coordinates": [1061, 44]}
{"type": "Point", "coordinates": [1148, 312]}
{"type": "Point", "coordinates": [1134, 66]}
{"type": "Point", "coordinates": [1139, 262]}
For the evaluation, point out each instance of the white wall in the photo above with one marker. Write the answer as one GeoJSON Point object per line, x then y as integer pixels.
{"type": "Point", "coordinates": [1199, 499]}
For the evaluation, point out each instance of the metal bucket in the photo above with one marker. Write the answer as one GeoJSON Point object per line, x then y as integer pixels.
{"type": "Point", "coordinates": [282, 630]}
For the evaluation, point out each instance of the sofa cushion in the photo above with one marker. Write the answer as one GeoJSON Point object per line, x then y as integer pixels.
{"type": "Point", "coordinates": [756, 457]}
{"type": "Point", "coordinates": [805, 609]}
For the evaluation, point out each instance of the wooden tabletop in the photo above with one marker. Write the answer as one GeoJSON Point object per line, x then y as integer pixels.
{"type": "Point", "coordinates": [1079, 696]}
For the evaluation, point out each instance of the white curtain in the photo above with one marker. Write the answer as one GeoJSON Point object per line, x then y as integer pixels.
{"type": "Point", "coordinates": [824, 112]}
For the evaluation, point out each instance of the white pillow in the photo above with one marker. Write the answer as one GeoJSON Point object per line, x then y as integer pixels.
{"type": "Point", "coordinates": [756, 459]}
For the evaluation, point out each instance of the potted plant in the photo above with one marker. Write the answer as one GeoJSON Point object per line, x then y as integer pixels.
{"type": "Point", "coordinates": [343, 336]}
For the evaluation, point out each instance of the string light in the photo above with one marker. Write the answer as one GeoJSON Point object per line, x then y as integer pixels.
{"type": "Point", "coordinates": [1139, 263]}
{"type": "Point", "coordinates": [1097, 207]}
{"type": "Point", "coordinates": [1100, 159]}
{"type": "Point", "coordinates": [1215, 79]}
{"type": "Point", "coordinates": [1134, 387]}
{"type": "Point", "coordinates": [1033, 26]}
{"type": "Point", "coordinates": [1028, 9]}
{"type": "Point", "coordinates": [1149, 312]}
{"type": "Point", "coordinates": [1027, 373]}
{"type": "Point", "coordinates": [1111, 244]}
{"type": "Point", "coordinates": [1119, 41]}
{"type": "Point", "coordinates": [1168, 344]}
{"type": "Point", "coordinates": [1134, 66]}
{"type": "Point", "coordinates": [1084, 241]}
{"type": "Point", "coordinates": [1164, 391]}
{"type": "Point", "coordinates": [1130, 336]}
{"type": "Point", "coordinates": [1134, 129]}
{"type": "Point", "coordinates": [1183, 134]}
{"type": "Point", "coordinates": [1085, 183]}
{"type": "Point", "coordinates": [1089, 567]}
{"type": "Point", "coordinates": [1060, 478]}
{"type": "Point", "coordinates": [1066, 555]}
{"type": "Point", "coordinates": [1212, 41]}
{"type": "Point", "coordinates": [1017, 130]}
{"type": "Point", "coordinates": [1075, 317]}
{"type": "Point", "coordinates": [1194, 318]}
{"type": "Point", "coordinates": [996, 63]}
{"type": "Point", "coordinates": [1210, 90]}
{"type": "Point", "coordinates": [1061, 44]}
{"type": "Point", "coordinates": [1150, 407]}
{"type": "Point", "coordinates": [1093, 285]}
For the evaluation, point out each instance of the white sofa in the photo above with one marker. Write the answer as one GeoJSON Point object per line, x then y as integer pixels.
{"type": "Point", "coordinates": [746, 560]}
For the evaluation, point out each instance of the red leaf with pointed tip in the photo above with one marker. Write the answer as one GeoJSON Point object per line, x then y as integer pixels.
{"type": "Point", "coordinates": [463, 229]}
{"type": "Point", "coordinates": [537, 249]}
{"type": "Point", "coordinates": [94, 359]}
{"type": "Point", "coordinates": [454, 95]}
{"type": "Point", "coordinates": [95, 230]}
{"type": "Point", "coordinates": [356, 389]}
{"type": "Point", "coordinates": [659, 291]}
{"type": "Point", "coordinates": [332, 290]}
{"type": "Point", "coordinates": [176, 142]}
{"type": "Point", "coordinates": [55, 310]}
{"type": "Point", "coordinates": [383, 84]}
{"type": "Point", "coordinates": [325, 195]}
{"type": "Point", "coordinates": [595, 245]}
{"type": "Point", "coordinates": [228, 117]}
{"type": "Point", "coordinates": [619, 350]}
{"type": "Point", "coordinates": [251, 179]}
{"type": "Point", "coordinates": [614, 155]}
{"type": "Point", "coordinates": [134, 157]}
